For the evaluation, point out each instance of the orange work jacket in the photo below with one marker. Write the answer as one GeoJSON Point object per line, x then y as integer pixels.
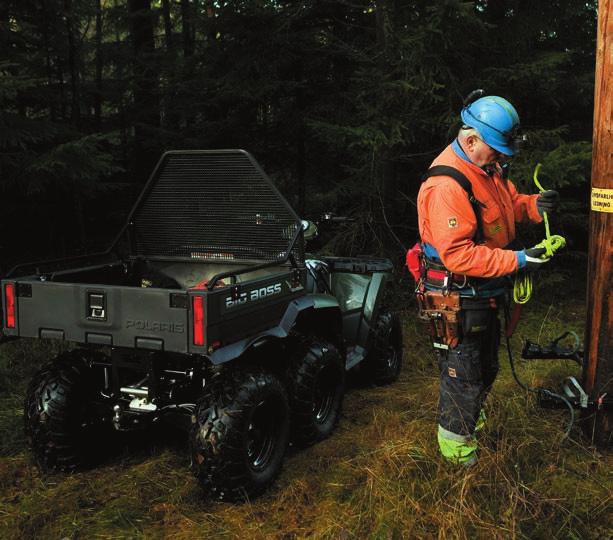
{"type": "Point", "coordinates": [447, 220]}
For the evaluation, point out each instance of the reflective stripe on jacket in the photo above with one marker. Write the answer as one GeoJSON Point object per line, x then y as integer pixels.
{"type": "Point", "coordinates": [447, 219]}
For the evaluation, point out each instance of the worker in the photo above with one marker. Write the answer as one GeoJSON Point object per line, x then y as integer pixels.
{"type": "Point", "coordinates": [466, 230]}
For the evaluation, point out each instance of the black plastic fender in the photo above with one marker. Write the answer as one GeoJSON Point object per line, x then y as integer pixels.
{"type": "Point", "coordinates": [319, 309]}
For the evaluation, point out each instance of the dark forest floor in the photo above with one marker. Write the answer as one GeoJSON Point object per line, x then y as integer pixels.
{"type": "Point", "coordinates": [378, 477]}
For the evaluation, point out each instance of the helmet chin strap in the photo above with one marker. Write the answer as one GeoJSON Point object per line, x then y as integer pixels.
{"type": "Point", "coordinates": [501, 167]}
{"type": "Point", "coordinates": [491, 168]}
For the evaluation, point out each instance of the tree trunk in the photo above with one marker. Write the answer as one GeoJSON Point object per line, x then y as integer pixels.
{"type": "Point", "coordinates": [145, 76]}
{"type": "Point", "coordinates": [123, 124]}
{"type": "Point", "coordinates": [386, 10]}
{"type": "Point", "coordinates": [167, 24]}
{"type": "Point", "coordinates": [211, 22]}
{"type": "Point", "coordinates": [146, 100]}
{"type": "Point", "coordinates": [73, 58]}
{"type": "Point", "coordinates": [98, 90]}
{"type": "Point", "coordinates": [187, 23]}
{"type": "Point", "coordinates": [385, 169]}
{"type": "Point", "coordinates": [598, 364]}
{"type": "Point", "coordinates": [48, 67]}
{"type": "Point", "coordinates": [170, 116]}
{"type": "Point", "coordinates": [60, 83]}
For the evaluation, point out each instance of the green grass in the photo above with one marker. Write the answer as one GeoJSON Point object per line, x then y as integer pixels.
{"type": "Point", "coordinates": [378, 477]}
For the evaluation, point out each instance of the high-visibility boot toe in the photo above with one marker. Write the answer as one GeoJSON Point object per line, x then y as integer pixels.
{"type": "Point", "coordinates": [457, 449]}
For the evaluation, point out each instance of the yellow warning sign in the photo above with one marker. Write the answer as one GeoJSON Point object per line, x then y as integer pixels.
{"type": "Point", "coordinates": [602, 200]}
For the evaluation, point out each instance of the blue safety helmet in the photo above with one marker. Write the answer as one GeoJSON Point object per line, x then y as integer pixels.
{"type": "Point", "coordinates": [496, 120]}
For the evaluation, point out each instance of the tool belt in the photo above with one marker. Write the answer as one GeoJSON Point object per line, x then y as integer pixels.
{"type": "Point", "coordinates": [441, 314]}
{"type": "Point", "coordinates": [436, 275]}
{"type": "Point", "coordinates": [431, 272]}
{"type": "Point", "coordinates": [449, 317]}
{"type": "Point", "coordinates": [443, 278]}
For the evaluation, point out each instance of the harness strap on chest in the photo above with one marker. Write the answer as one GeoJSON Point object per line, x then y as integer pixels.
{"type": "Point", "coordinates": [460, 178]}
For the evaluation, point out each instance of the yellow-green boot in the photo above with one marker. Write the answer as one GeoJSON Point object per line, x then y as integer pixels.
{"type": "Point", "coordinates": [457, 449]}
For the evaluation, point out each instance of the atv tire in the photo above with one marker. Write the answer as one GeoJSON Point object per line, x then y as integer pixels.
{"type": "Point", "coordinates": [384, 361]}
{"type": "Point", "coordinates": [58, 414]}
{"type": "Point", "coordinates": [316, 387]}
{"type": "Point", "coordinates": [239, 435]}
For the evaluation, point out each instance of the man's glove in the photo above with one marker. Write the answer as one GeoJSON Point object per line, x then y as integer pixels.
{"type": "Point", "coordinates": [533, 258]}
{"type": "Point", "coordinates": [548, 201]}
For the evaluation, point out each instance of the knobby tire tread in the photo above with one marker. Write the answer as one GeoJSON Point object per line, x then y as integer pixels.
{"type": "Point", "coordinates": [218, 453]}
{"type": "Point", "coordinates": [55, 399]}
{"type": "Point", "coordinates": [309, 359]}
{"type": "Point", "coordinates": [387, 332]}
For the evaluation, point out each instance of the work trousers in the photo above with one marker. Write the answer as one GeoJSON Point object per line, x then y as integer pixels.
{"type": "Point", "coordinates": [468, 372]}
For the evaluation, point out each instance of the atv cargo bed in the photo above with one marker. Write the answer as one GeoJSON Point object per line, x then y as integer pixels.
{"type": "Point", "coordinates": [209, 241]}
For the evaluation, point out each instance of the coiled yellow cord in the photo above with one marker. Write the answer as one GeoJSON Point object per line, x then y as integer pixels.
{"type": "Point", "coordinates": [522, 288]}
{"type": "Point", "coordinates": [552, 243]}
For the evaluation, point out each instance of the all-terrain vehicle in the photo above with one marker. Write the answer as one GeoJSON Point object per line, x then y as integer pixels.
{"type": "Point", "coordinates": [204, 312]}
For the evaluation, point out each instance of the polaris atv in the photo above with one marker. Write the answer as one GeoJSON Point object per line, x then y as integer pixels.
{"type": "Point", "coordinates": [205, 313]}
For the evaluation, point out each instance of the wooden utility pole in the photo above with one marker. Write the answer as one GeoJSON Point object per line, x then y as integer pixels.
{"type": "Point", "coordinates": [598, 365]}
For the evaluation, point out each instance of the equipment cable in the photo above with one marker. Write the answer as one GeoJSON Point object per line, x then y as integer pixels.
{"type": "Point", "coordinates": [539, 390]}
{"type": "Point", "coordinates": [522, 292]}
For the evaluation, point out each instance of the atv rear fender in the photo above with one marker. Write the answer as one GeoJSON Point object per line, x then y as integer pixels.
{"type": "Point", "coordinates": [317, 314]}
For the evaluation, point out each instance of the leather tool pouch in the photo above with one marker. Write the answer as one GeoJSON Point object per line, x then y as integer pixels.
{"type": "Point", "coordinates": [441, 313]}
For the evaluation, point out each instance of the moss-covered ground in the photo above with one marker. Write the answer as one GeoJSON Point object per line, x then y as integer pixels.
{"type": "Point", "coordinates": [378, 477]}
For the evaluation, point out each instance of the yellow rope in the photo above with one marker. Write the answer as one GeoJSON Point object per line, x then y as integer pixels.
{"type": "Point", "coordinates": [552, 243]}
{"type": "Point", "coordinates": [522, 289]}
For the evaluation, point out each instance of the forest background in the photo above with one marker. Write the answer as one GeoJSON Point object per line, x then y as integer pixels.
{"type": "Point", "coordinates": [344, 103]}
